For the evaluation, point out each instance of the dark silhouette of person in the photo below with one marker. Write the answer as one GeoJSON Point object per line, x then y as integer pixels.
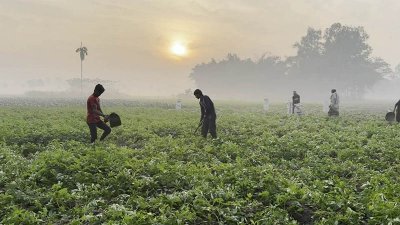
{"type": "Point", "coordinates": [397, 110]}
{"type": "Point", "coordinates": [93, 115]}
{"type": "Point", "coordinates": [208, 116]}
{"type": "Point", "coordinates": [295, 100]}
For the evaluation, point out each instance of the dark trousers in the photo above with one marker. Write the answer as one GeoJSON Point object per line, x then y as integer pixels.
{"type": "Point", "coordinates": [93, 130]}
{"type": "Point", "coordinates": [333, 112]}
{"type": "Point", "coordinates": [209, 126]}
{"type": "Point", "coordinates": [398, 115]}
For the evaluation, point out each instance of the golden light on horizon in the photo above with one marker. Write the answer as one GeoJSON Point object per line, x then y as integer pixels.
{"type": "Point", "coordinates": [178, 49]}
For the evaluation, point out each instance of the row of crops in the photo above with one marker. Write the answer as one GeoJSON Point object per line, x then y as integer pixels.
{"type": "Point", "coordinates": [263, 169]}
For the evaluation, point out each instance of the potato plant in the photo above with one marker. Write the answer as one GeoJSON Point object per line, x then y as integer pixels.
{"type": "Point", "coordinates": [265, 168]}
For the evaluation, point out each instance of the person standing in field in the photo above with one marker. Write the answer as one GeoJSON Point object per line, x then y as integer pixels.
{"type": "Point", "coordinates": [93, 115]}
{"type": "Point", "coordinates": [334, 106]}
{"type": "Point", "coordinates": [208, 116]}
{"type": "Point", "coordinates": [397, 110]}
{"type": "Point", "coordinates": [295, 100]}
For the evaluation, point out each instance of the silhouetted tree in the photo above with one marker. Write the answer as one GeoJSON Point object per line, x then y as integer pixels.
{"type": "Point", "coordinates": [339, 58]}
{"type": "Point", "coordinates": [88, 84]}
{"type": "Point", "coordinates": [396, 72]}
{"type": "Point", "coordinates": [233, 77]}
{"type": "Point", "coordinates": [348, 60]}
{"type": "Point", "coordinates": [307, 62]}
{"type": "Point", "coordinates": [82, 52]}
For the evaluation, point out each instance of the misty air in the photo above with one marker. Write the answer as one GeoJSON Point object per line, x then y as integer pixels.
{"type": "Point", "coordinates": [199, 112]}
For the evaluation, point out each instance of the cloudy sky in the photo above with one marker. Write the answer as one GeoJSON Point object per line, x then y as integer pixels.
{"type": "Point", "coordinates": [130, 40]}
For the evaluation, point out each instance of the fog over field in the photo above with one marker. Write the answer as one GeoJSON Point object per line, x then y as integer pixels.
{"type": "Point", "coordinates": [235, 49]}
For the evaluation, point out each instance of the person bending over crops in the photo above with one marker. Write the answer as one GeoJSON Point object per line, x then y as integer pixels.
{"type": "Point", "coordinates": [93, 115]}
{"type": "Point", "coordinates": [208, 115]}
{"type": "Point", "coordinates": [295, 100]}
{"type": "Point", "coordinates": [334, 106]}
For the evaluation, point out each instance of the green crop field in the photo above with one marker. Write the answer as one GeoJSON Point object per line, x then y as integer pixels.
{"type": "Point", "coordinates": [263, 169]}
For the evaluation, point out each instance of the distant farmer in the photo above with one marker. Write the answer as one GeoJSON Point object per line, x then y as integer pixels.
{"type": "Point", "coordinates": [208, 115]}
{"type": "Point", "coordinates": [295, 100]}
{"type": "Point", "coordinates": [397, 109]}
{"type": "Point", "coordinates": [334, 106]}
{"type": "Point", "coordinates": [93, 115]}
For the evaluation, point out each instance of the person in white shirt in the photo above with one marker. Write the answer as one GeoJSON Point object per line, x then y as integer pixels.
{"type": "Point", "coordinates": [334, 106]}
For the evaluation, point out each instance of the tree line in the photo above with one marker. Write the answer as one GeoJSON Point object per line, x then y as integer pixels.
{"type": "Point", "coordinates": [340, 58]}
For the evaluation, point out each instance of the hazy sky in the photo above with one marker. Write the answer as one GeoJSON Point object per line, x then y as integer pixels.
{"type": "Point", "coordinates": [129, 41]}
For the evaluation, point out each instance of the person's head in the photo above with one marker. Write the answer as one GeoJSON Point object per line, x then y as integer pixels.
{"type": "Point", "coordinates": [198, 93]}
{"type": "Point", "coordinates": [333, 91]}
{"type": "Point", "coordinates": [98, 90]}
{"type": "Point", "coordinates": [294, 92]}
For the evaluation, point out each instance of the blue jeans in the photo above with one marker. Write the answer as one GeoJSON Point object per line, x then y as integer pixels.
{"type": "Point", "coordinates": [93, 130]}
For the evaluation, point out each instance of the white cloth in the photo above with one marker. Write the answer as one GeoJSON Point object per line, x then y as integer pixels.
{"type": "Point", "coordinates": [297, 109]}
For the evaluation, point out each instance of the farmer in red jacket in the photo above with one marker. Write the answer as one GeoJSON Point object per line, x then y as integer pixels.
{"type": "Point", "coordinates": [93, 115]}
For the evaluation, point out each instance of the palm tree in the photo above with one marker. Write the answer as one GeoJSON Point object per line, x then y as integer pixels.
{"type": "Point", "coordinates": [83, 51]}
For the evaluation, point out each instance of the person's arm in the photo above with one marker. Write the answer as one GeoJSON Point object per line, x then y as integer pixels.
{"type": "Point", "coordinates": [202, 113]}
{"type": "Point", "coordinates": [336, 99]}
{"type": "Point", "coordinates": [98, 112]}
{"type": "Point", "coordinates": [207, 105]}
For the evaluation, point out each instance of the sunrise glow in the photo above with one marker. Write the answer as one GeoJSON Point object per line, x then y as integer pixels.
{"type": "Point", "coordinates": [178, 49]}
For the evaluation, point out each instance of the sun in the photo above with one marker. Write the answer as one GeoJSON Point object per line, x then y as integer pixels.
{"type": "Point", "coordinates": [178, 49]}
